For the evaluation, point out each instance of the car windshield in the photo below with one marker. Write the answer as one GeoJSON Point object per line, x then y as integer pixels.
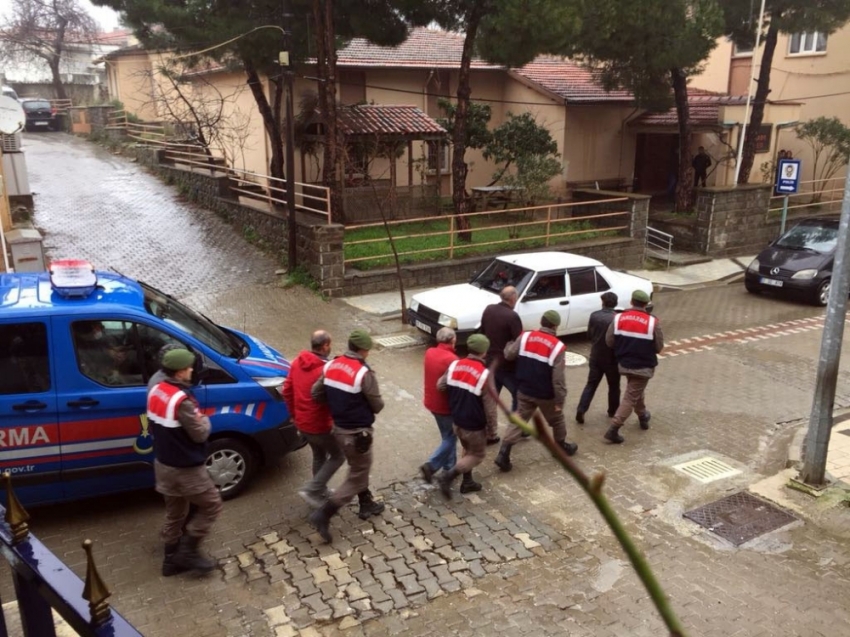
{"type": "Point", "coordinates": [499, 274]}
{"type": "Point", "coordinates": [822, 238]}
{"type": "Point", "coordinates": [35, 105]}
{"type": "Point", "coordinates": [175, 313]}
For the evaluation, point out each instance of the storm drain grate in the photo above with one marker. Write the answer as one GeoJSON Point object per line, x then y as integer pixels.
{"type": "Point", "coordinates": [402, 340]}
{"type": "Point", "coordinates": [707, 469]}
{"type": "Point", "coordinates": [740, 517]}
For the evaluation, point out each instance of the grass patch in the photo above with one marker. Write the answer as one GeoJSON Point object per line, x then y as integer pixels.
{"type": "Point", "coordinates": [433, 241]}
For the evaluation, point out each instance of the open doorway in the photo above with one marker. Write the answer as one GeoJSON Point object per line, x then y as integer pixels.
{"type": "Point", "coordinates": [656, 163]}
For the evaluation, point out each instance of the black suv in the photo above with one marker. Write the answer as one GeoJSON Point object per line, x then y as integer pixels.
{"type": "Point", "coordinates": [798, 263]}
{"type": "Point", "coordinates": [40, 114]}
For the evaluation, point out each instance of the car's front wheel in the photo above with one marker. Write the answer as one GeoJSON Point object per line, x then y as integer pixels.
{"type": "Point", "coordinates": [822, 294]}
{"type": "Point", "coordinates": [231, 464]}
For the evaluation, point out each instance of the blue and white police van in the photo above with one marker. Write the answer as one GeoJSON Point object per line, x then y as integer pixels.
{"type": "Point", "coordinates": [77, 348]}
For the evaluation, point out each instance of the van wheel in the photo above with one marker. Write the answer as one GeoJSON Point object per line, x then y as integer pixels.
{"type": "Point", "coordinates": [231, 464]}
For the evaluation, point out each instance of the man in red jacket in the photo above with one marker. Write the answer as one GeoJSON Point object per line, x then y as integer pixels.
{"type": "Point", "coordinates": [437, 361]}
{"type": "Point", "coordinates": [312, 419]}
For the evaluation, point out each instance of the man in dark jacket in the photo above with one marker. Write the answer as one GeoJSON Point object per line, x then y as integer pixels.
{"type": "Point", "coordinates": [312, 419]}
{"type": "Point", "coordinates": [180, 433]}
{"type": "Point", "coordinates": [350, 389]}
{"type": "Point", "coordinates": [602, 362]}
{"type": "Point", "coordinates": [472, 409]}
{"type": "Point", "coordinates": [501, 325]}
{"type": "Point", "coordinates": [700, 164]}
{"type": "Point", "coordinates": [437, 361]}
{"type": "Point", "coordinates": [637, 340]}
{"type": "Point", "coordinates": [541, 384]}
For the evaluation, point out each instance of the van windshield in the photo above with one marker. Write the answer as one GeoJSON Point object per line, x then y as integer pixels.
{"type": "Point", "coordinates": [817, 237]}
{"type": "Point", "coordinates": [175, 313]}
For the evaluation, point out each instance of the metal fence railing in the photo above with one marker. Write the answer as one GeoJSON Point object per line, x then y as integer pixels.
{"type": "Point", "coordinates": [659, 245]}
{"type": "Point", "coordinates": [450, 236]}
{"type": "Point", "coordinates": [814, 195]}
{"type": "Point", "coordinates": [309, 198]}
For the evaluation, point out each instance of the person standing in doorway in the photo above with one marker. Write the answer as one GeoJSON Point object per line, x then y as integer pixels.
{"type": "Point", "coordinates": [636, 337]}
{"type": "Point", "coordinates": [700, 163]}
{"type": "Point", "coordinates": [602, 362]}
{"type": "Point", "coordinates": [541, 384]}
{"type": "Point", "coordinates": [501, 324]}
{"type": "Point", "coordinates": [313, 419]}
{"type": "Point", "coordinates": [473, 408]}
{"type": "Point", "coordinates": [350, 389]}
{"type": "Point", "coordinates": [180, 434]}
{"type": "Point", "coordinates": [437, 361]}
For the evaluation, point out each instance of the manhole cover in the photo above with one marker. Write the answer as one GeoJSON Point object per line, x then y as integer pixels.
{"type": "Point", "coordinates": [740, 517]}
{"type": "Point", "coordinates": [402, 340]}
{"type": "Point", "coordinates": [571, 359]}
{"type": "Point", "coordinates": [707, 469]}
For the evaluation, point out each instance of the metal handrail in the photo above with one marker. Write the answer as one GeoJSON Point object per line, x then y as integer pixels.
{"type": "Point", "coordinates": [659, 240]}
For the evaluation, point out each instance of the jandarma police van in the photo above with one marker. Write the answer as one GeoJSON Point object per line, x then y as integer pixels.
{"type": "Point", "coordinates": [77, 348]}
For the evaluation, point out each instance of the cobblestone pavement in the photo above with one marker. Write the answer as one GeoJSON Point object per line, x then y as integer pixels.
{"type": "Point", "coordinates": [528, 555]}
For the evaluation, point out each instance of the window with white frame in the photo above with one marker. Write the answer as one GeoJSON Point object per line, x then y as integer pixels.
{"type": "Point", "coordinates": [742, 50]}
{"type": "Point", "coordinates": [443, 154]}
{"type": "Point", "coordinates": [807, 42]}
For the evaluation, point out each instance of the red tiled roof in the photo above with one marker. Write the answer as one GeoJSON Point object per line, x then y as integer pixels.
{"type": "Point", "coordinates": [379, 119]}
{"type": "Point", "coordinates": [570, 81]}
{"type": "Point", "coordinates": [704, 110]}
{"type": "Point", "coordinates": [424, 48]}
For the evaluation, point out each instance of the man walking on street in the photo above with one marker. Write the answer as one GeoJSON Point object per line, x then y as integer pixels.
{"type": "Point", "coordinates": [313, 419]}
{"type": "Point", "coordinates": [180, 435]}
{"type": "Point", "coordinates": [437, 361]}
{"type": "Point", "coordinates": [700, 164]}
{"type": "Point", "coordinates": [541, 384]}
{"type": "Point", "coordinates": [472, 409]}
{"type": "Point", "coordinates": [602, 362]}
{"type": "Point", "coordinates": [350, 389]}
{"type": "Point", "coordinates": [637, 340]}
{"type": "Point", "coordinates": [501, 325]}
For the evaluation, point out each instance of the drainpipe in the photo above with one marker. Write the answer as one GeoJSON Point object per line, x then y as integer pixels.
{"type": "Point", "coordinates": [439, 146]}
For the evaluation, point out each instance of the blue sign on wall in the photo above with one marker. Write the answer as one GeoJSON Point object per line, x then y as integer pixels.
{"type": "Point", "coordinates": [788, 177]}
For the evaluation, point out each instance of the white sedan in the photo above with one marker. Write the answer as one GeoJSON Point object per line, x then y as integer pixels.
{"type": "Point", "coordinates": [570, 284]}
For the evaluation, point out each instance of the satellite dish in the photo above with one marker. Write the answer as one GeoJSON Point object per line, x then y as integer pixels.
{"type": "Point", "coordinates": [12, 118]}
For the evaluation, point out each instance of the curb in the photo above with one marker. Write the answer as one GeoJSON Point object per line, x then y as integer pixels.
{"type": "Point", "coordinates": [795, 449]}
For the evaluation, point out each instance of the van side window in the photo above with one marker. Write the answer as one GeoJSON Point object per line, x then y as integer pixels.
{"type": "Point", "coordinates": [106, 352]}
{"type": "Point", "coordinates": [151, 341]}
{"type": "Point", "coordinates": [24, 364]}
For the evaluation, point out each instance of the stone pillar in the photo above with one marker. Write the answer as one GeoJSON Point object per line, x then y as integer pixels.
{"type": "Point", "coordinates": [639, 207]}
{"type": "Point", "coordinates": [324, 256]}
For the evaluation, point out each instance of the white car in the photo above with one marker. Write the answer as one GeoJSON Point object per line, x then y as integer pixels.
{"type": "Point", "coordinates": [570, 284]}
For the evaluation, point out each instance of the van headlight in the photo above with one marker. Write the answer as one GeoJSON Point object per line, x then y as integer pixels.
{"type": "Point", "coordinates": [414, 305]}
{"type": "Point", "coordinates": [272, 384]}
{"type": "Point", "coordinates": [447, 321]}
{"type": "Point", "coordinates": [754, 266]}
{"type": "Point", "coordinates": [805, 274]}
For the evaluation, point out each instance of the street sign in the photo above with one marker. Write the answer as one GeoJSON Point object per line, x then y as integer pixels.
{"type": "Point", "coordinates": [788, 177]}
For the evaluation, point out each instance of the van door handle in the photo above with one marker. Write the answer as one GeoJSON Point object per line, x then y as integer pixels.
{"type": "Point", "coordinates": [564, 303]}
{"type": "Point", "coordinates": [83, 402]}
{"type": "Point", "coordinates": [30, 405]}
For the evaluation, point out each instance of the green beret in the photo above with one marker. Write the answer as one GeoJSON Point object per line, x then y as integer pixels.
{"type": "Point", "coordinates": [478, 344]}
{"type": "Point", "coordinates": [178, 359]}
{"type": "Point", "coordinates": [360, 339]}
{"type": "Point", "coordinates": [553, 317]}
{"type": "Point", "coordinates": [640, 296]}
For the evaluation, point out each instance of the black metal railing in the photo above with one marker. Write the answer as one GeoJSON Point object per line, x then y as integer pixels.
{"type": "Point", "coordinates": [44, 583]}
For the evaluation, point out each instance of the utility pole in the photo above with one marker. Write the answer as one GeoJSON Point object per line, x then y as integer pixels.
{"type": "Point", "coordinates": [286, 70]}
{"type": "Point", "coordinates": [820, 422]}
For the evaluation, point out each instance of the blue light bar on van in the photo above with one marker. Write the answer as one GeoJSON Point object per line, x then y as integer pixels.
{"type": "Point", "coordinates": [72, 277]}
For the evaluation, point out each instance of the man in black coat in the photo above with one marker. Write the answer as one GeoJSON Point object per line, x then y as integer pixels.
{"type": "Point", "coordinates": [602, 361]}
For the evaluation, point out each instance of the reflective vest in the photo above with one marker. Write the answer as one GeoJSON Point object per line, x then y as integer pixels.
{"type": "Point", "coordinates": [634, 339]}
{"type": "Point", "coordinates": [343, 380]}
{"type": "Point", "coordinates": [466, 379]}
{"type": "Point", "coordinates": [537, 353]}
{"type": "Point", "coordinates": [172, 445]}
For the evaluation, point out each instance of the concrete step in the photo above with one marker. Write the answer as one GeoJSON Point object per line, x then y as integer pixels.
{"type": "Point", "coordinates": [677, 259]}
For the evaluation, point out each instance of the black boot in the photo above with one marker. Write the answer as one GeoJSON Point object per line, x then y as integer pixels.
{"type": "Point", "coordinates": [321, 520]}
{"type": "Point", "coordinates": [368, 506]}
{"type": "Point", "coordinates": [445, 481]}
{"type": "Point", "coordinates": [569, 447]}
{"type": "Point", "coordinates": [169, 568]}
{"type": "Point", "coordinates": [644, 420]}
{"type": "Point", "coordinates": [579, 416]}
{"type": "Point", "coordinates": [427, 472]}
{"type": "Point", "coordinates": [503, 460]}
{"type": "Point", "coordinates": [613, 435]}
{"type": "Point", "coordinates": [189, 558]}
{"type": "Point", "coordinates": [468, 484]}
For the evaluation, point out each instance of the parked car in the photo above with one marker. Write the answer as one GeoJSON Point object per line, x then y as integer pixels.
{"type": "Point", "coordinates": [8, 91]}
{"type": "Point", "coordinates": [77, 348]}
{"type": "Point", "coordinates": [39, 113]}
{"type": "Point", "coordinates": [799, 263]}
{"type": "Point", "coordinates": [570, 284]}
